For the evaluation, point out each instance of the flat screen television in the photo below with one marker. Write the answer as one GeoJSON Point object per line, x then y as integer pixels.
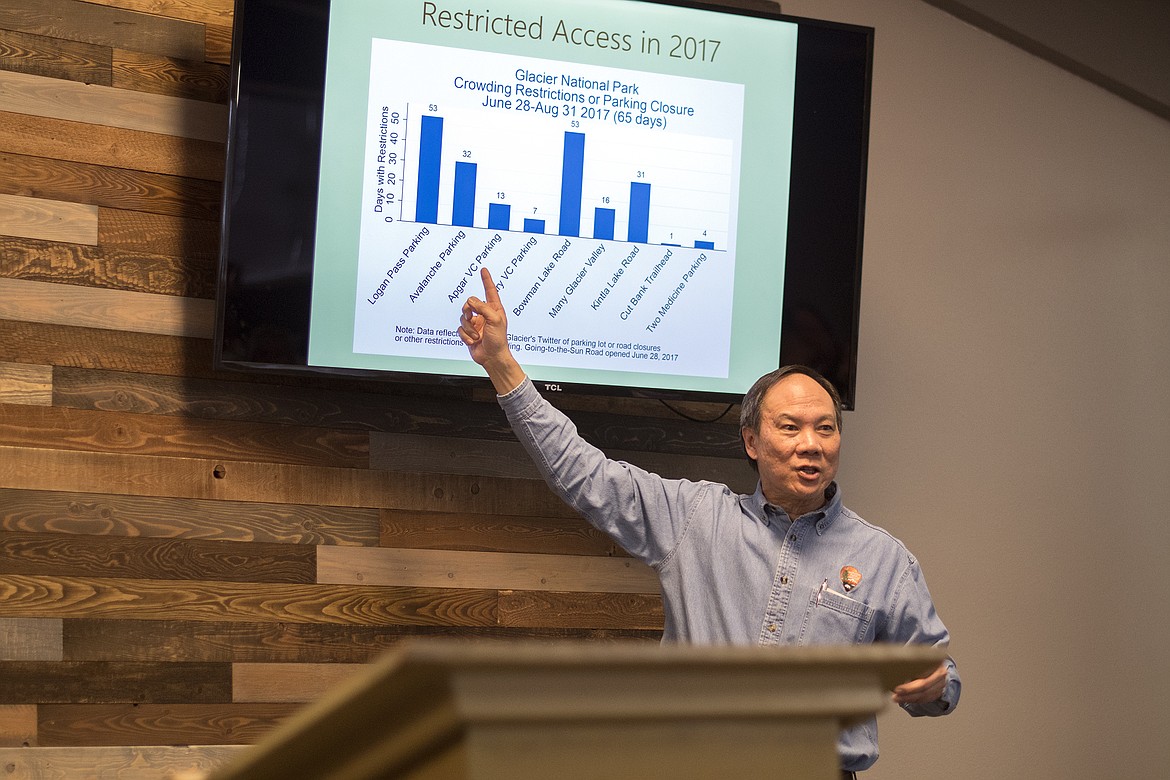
{"type": "Point", "coordinates": [669, 195]}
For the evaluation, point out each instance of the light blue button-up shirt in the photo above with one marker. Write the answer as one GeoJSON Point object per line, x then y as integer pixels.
{"type": "Point", "coordinates": [737, 570]}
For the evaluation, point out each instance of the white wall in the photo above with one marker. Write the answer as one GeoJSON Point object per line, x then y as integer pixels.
{"type": "Point", "coordinates": [1012, 422]}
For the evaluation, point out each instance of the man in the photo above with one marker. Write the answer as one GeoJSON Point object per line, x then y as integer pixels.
{"type": "Point", "coordinates": [786, 565]}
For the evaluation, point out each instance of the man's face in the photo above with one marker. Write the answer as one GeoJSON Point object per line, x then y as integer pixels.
{"type": "Point", "coordinates": [797, 446]}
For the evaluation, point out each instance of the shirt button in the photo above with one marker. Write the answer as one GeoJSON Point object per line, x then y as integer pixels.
{"type": "Point", "coordinates": [792, 538]}
{"type": "Point", "coordinates": [772, 628]}
{"type": "Point", "coordinates": [783, 580]}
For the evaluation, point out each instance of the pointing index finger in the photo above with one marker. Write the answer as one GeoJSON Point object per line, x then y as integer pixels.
{"type": "Point", "coordinates": [490, 293]}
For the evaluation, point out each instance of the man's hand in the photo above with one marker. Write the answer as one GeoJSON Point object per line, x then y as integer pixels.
{"type": "Point", "coordinates": [483, 327]}
{"type": "Point", "coordinates": [924, 689]}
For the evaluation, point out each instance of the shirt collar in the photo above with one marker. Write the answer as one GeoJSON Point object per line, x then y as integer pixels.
{"type": "Point", "coordinates": [758, 507]}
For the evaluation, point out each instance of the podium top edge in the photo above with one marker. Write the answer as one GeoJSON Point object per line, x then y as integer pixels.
{"type": "Point", "coordinates": [573, 653]}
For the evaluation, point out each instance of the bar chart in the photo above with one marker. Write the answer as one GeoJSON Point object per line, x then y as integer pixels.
{"type": "Point", "coordinates": [496, 172]}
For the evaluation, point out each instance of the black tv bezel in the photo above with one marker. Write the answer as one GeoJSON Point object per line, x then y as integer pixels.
{"type": "Point", "coordinates": [825, 260]}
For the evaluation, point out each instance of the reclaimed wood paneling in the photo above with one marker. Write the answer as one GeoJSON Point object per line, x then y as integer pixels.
{"type": "Point", "coordinates": [64, 304]}
{"type": "Point", "coordinates": [158, 233]}
{"type": "Point", "coordinates": [61, 99]}
{"type": "Point", "coordinates": [89, 597]}
{"type": "Point", "coordinates": [118, 515]}
{"type": "Point", "coordinates": [410, 452]}
{"type": "Point", "coordinates": [30, 639]}
{"type": "Point", "coordinates": [492, 533]}
{"type": "Point", "coordinates": [218, 44]}
{"type": "Point", "coordinates": [145, 434]}
{"type": "Point", "coordinates": [79, 141]}
{"type": "Point", "coordinates": [124, 763]}
{"type": "Point", "coordinates": [290, 403]}
{"type": "Point", "coordinates": [428, 418]}
{"type": "Point", "coordinates": [100, 348]}
{"type": "Point", "coordinates": [142, 475]}
{"type": "Point", "coordinates": [18, 728]}
{"type": "Point", "coordinates": [80, 21]}
{"type": "Point", "coordinates": [102, 682]}
{"type": "Point", "coordinates": [501, 571]}
{"type": "Point", "coordinates": [735, 472]}
{"type": "Point", "coordinates": [98, 185]}
{"type": "Point", "coordinates": [52, 220]}
{"type": "Point", "coordinates": [21, 383]}
{"type": "Point", "coordinates": [212, 12]}
{"type": "Point", "coordinates": [270, 642]}
{"type": "Point", "coordinates": [301, 682]}
{"type": "Point", "coordinates": [161, 559]}
{"type": "Point", "coordinates": [581, 610]}
{"type": "Point", "coordinates": [40, 55]}
{"type": "Point", "coordinates": [403, 452]}
{"type": "Point", "coordinates": [95, 266]}
{"type": "Point", "coordinates": [145, 72]}
{"type": "Point", "coordinates": [157, 724]}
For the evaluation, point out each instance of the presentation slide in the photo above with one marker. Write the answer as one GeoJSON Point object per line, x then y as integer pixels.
{"type": "Point", "coordinates": [627, 190]}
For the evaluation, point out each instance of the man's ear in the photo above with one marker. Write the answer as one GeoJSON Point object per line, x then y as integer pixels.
{"type": "Point", "coordinates": [749, 442]}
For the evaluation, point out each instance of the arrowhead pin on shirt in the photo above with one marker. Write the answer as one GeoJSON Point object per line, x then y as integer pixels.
{"type": "Point", "coordinates": [850, 578]}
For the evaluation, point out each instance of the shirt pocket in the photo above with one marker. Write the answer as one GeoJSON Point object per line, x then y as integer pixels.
{"type": "Point", "coordinates": [833, 618]}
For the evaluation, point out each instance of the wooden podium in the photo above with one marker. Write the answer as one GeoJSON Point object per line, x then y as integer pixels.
{"type": "Point", "coordinates": [449, 709]}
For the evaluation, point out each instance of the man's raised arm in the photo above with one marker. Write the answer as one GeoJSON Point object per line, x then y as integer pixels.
{"type": "Point", "coordinates": [483, 327]}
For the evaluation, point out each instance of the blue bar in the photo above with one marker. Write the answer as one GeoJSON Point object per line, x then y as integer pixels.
{"type": "Point", "coordinates": [499, 216]}
{"type": "Point", "coordinates": [639, 212]}
{"type": "Point", "coordinates": [463, 211]}
{"type": "Point", "coordinates": [430, 152]}
{"type": "Point", "coordinates": [603, 223]}
{"type": "Point", "coordinates": [572, 171]}
{"type": "Point", "coordinates": [704, 245]}
{"type": "Point", "coordinates": [533, 225]}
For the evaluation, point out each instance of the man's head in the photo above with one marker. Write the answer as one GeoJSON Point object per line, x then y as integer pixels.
{"type": "Point", "coordinates": [790, 421]}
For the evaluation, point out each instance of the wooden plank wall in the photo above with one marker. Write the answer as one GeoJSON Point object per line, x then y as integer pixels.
{"type": "Point", "coordinates": [188, 555]}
